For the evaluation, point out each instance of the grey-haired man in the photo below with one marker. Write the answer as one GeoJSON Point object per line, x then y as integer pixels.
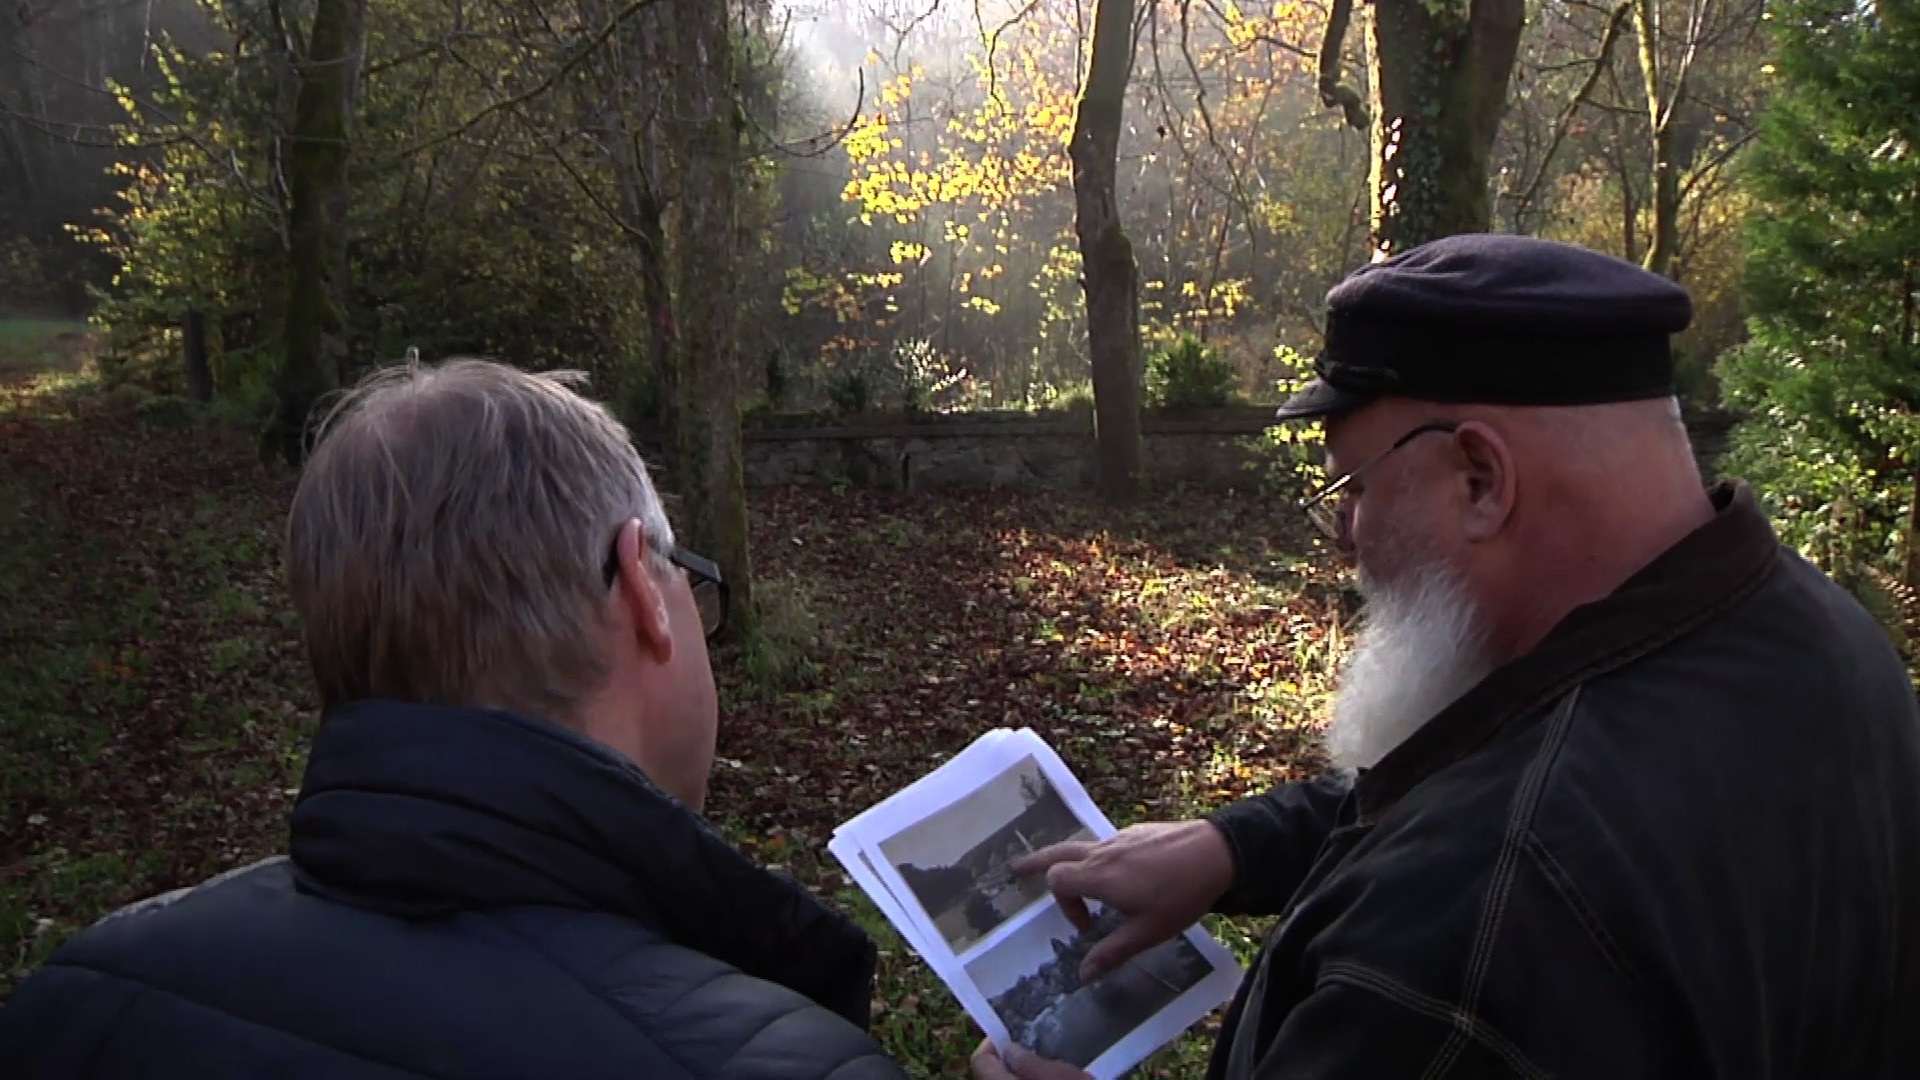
{"type": "Point", "coordinates": [497, 866]}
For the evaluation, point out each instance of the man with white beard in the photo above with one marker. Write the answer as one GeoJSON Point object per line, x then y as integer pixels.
{"type": "Point", "coordinates": [1420, 648]}
{"type": "Point", "coordinates": [1621, 786]}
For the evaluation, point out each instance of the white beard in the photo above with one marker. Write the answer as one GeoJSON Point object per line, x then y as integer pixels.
{"type": "Point", "coordinates": [1419, 649]}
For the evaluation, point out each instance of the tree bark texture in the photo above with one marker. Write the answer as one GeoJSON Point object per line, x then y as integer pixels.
{"type": "Point", "coordinates": [1440, 73]}
{"type": "Point", "coordinates": [1912, 569]}
{"type": "Point", "coordinates": [1110, 277]}
{"type": "Point", "coordinates": [704, 132]}
{"type": "Point", "coordinates": [1665, 188]}
{"type": "Point", "coordinates": [315, 347]}
{"type": "Point", "coordinates": [647, 239]}
{"type": "Point", "coordinates": [1334, 93]}
{"type": "Point", "coordinates": [199, 372]}
{"type": "Point", "coordinates": [656, 295]}
{"type": "Point", "coordinates": [1910, 338]}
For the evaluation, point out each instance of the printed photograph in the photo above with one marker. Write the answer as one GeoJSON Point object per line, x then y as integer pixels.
{"type": "Point", "coordinates": [956, 861]}
{"type": "Point", "coordinates": [1032, 981]}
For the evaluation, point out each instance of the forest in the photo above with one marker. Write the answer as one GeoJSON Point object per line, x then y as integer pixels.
{"type": "Point", "coordinates": [889, 205]}
{"type": "Point", "coordinates": [740, 215]}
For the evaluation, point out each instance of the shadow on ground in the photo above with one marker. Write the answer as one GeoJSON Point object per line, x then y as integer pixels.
{"type": "Point", "coordinates": [1165, 682]}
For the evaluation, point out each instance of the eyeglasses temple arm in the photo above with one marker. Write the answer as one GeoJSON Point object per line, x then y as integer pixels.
{"type": "Point", "coordinates": [1325, 493]}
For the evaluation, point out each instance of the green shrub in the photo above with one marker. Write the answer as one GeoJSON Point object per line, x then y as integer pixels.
{"type": "Point", "coordinates": [167, 411]}
{"type": "Point", "coordinates": [850, 392]}
{"type": "Point", "coordinates": [1077, 398]}
{"type": "Point", "coordinates": [780, 650]}
{"type": "Point", "coordinates": [1188, 375]}
{"type": "Point", "coordinates": [124, 395]}
{"type": "Point", "coordinates": [245, 406]}
{"type": "Point", "coordinates": [1288, 456]}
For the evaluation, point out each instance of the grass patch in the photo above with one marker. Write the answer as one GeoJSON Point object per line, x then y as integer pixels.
{"type": "Point", "coordinates": [46, 365]}
{"type": "Point", "coordinates": [31, 347]}
{"type": "Point", "coordinates": [147, 731]}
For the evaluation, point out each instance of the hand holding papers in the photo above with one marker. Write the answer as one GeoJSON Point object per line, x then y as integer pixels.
{"type": "Point", "coordinates": [934, 857]}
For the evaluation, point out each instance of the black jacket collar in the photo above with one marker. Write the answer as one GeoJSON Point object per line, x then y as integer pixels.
{"type": "Point", "coordinates": [418, 811]}
{"type": "Point", "coordinates": [1704, 574]}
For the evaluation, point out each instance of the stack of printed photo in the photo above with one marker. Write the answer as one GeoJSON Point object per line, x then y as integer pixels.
{"type": "Point", "coordinates": [935, 858]}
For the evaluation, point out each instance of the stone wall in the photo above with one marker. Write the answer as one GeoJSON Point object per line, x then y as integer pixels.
{"type": "Point", "coordinates": [1207, 449]}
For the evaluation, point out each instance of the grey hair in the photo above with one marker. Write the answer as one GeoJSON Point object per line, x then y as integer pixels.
{"type": "Point", "coordinates": [447, 539]}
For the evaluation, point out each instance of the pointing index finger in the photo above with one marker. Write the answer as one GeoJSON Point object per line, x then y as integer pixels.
{"type": "Point", "coordinates": [1039, 862]}
{"type": "Point", "coordinates": [1063, 882]}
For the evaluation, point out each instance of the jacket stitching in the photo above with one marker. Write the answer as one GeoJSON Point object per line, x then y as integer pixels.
{"type": "Point", "coordinates": [1618, 657]}
{"type": "Point", "coordinates": [649, 1030]}
{"type": "Point", "coordinates": [110, 1029]}
{"type": "Point", "coordinates": [599, 993]}
{"type": "Point", "coordinates": [764, 1028]}
{"type": "Point", "coordinates": [1463, 1021]}
{"type": "Point", "coordinates": [861, 1060]}
{"type": "Point", "coordinates": [150, 987]}
{"type": "Point", "coordinates": [1505, 870]}
{"type": "Point", "coordinates": [1646, 646]}
{"type": "Point", "coordinates": [1562, 883]}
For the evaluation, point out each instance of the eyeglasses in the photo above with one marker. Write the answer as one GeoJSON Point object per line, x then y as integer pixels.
{"type": "Point", "coordinates": [709, 588]}
{"type": "Point", "coordinates": [1329, 512]}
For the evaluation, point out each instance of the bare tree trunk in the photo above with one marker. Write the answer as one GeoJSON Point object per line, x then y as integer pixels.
{"type": "Point", "coordinates": [18, 93]}
{"type": "Point", "coordinates": [620, 104]}
{"type": "Point", "coordinates": [1440, 71]}
{"type": "Point", "coordinates": [1912, 568]}
{"type": "Point", "coordinates": [646, 236]}
{"type": "Point", "coordinates": [656, 295]}
{"type": "Point", "coordinates": [315, 343]}
{"type": "Point", "coordinates": [705, 126]}
{"type": "Point", "coordinates": [1665, 188]}
{"type": "Point", "coordinates": [1665, 239]}
{"type": "Point", "coordinates": [1629, 213]}
{"type": "Point", "coordinates": [1109, 275]}
{"type": "Point", "coordinates": [199, 373]}
{"type": "Point", "coordinates": [1909, 337]}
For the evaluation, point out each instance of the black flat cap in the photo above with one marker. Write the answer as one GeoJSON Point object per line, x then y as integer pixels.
{"type": "Point", "coordinates": [1492, 319]}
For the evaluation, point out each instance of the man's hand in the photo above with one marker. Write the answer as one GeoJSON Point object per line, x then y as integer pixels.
{"type": "Point", "coordinates": [1020, 1064]}
{"type": "Point", "coordinates": [1162, 876]}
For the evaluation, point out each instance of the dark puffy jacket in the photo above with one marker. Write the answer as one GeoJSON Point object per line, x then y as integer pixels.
{"type": "Point", "coordinates": [468, 894]}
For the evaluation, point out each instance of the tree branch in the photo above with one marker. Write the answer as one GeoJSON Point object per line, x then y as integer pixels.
{"type": "Point", "coordinates": [1721, 157]}
{"type": "Point", "coordinates": [1616, 21]}
{"type": "Point", "coordinates": [176, 132]}
{"type": "Point", "coordinates": [579, 56]}
{"type": "Point", "coordinates": [387, 63]}
{"type": "Point", "coordinates": [1213, 138]}
{"type": "Point", "coordinates": [992, 41]}
{"type": "Point", "coordinates": [815, 145]}
{"type": "Point", "coordinates": [1260, 37]}
{"type": "Point", "coordinates": [1333, 92]}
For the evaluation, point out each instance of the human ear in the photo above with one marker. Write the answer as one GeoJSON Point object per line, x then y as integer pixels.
{"type": "Point", "coordinates": [642, 594]}
{"type": "Point", "coordinates": [1487, 473]}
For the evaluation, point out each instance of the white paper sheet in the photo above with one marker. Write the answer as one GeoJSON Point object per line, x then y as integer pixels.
{"type": "Point", "coordinates": [933, 857]}
{"type": "Point", "coordinates": [861, 867]}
